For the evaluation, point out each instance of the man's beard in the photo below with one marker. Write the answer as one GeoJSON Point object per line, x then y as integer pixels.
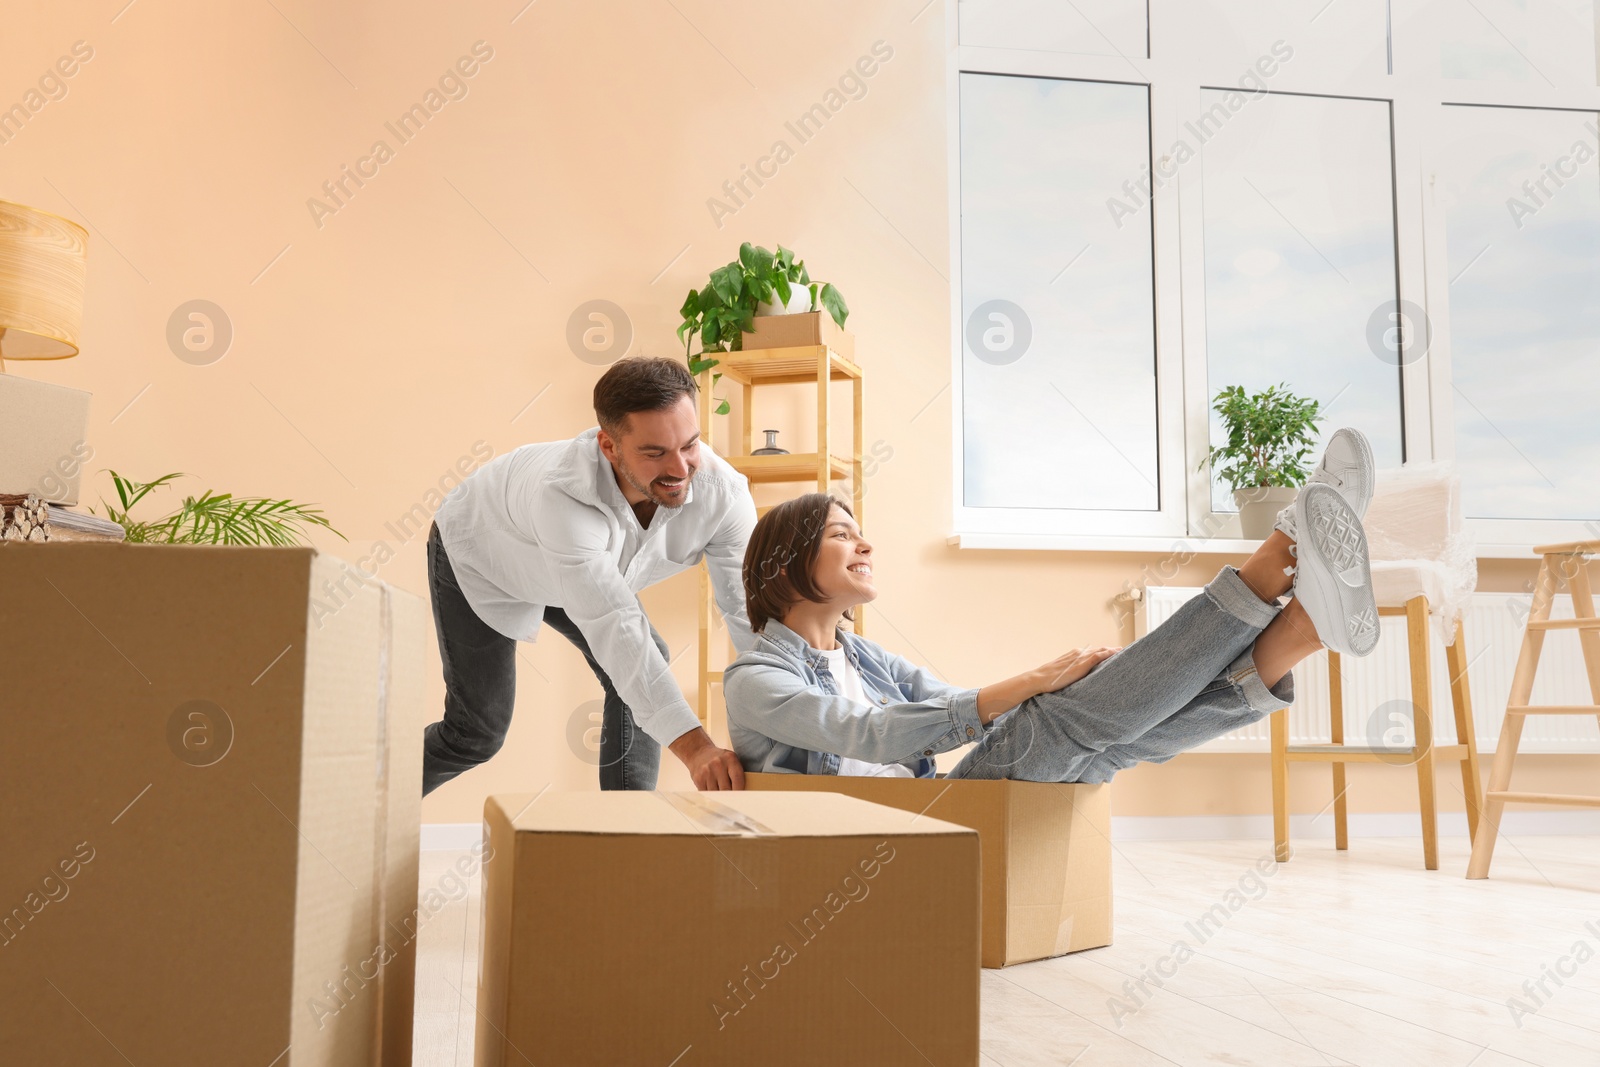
{"type": "Point", "coordinates": [650, 490]}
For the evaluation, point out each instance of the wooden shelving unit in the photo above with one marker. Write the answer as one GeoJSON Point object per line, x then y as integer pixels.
{"type": "Point", "coordinates": [801, 365]}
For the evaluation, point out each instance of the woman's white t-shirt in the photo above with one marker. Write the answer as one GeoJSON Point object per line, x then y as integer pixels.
{"type": "Point", "coordinates": [850, 686]}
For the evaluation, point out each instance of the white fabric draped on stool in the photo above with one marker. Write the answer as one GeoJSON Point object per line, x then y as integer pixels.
{"type": "Point", "coordinates": [1418, 545]}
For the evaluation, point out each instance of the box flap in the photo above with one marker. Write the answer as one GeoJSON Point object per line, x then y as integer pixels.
{"type": "Point", "coordinates": [701, 814]}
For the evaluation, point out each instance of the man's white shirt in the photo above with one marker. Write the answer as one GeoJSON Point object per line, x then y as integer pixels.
{"type": "Point", "coordinates": [546, 525]}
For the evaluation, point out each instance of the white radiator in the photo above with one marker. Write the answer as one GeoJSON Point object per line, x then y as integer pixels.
{"type": "Point", "coordinates": [1377, 688]}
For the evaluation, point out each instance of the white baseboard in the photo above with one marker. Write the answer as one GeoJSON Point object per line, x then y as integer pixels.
{"type": "Point", "coordinates": [450, 836]}
{"type": "Point", "coordinates": [1364, 824]}
{"type": "Point", "coordinates": [439, 836]}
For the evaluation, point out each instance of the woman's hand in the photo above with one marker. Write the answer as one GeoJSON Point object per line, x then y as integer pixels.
{"type": "Point", "coordinates": [1068, 668]}
{"type": "Point", "coordinates": [997, 699]}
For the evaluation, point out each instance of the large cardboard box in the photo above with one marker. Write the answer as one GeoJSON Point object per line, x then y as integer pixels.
{"type": "Point", "coordinates": [43, 438]}
{"type": "Point", "coordinates": [1046, 852]}
{"type": "Point", "coordinates": [210, 783]}
{"type": "Point", "coordinates": [740, 928]}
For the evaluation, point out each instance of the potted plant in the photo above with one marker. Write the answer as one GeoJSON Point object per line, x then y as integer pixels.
{"type": "Point", "coordinates": [724, 310]}
{"type": "Point", "coordinates": [213, 518]}
{"type": "Point", "coordinates": [1270, 436]}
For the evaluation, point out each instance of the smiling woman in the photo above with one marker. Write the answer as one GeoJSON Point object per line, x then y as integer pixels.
{"type": "Point", "coordinates": [813, 698]}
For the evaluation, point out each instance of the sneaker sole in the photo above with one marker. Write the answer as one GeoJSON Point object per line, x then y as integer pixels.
{"type": "Point", "coordinates": [1334, 580]}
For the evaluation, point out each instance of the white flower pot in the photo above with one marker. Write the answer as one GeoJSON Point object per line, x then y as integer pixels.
{"type": "Point", "coordinates": [799, 302]}
{"type": "Point", "coordinates": [1259, 507]}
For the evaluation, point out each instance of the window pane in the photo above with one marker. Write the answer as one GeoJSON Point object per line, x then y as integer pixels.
{"type": "Point", "coordinates": [1086, 27]}
{"type": "Point", "coordinates": [1300, 261]}
{"type": "Point", "coordinates": [1254, 39]}
{"type": "Point", "coordinates": [1523, 226]}
{"type": "Point", "coordinates": [1058, 361]}
{"type": "Point", "coordinates": [1542, 42]}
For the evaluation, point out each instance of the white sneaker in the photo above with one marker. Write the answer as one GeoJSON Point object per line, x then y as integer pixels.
{"type": "Point", "coordinates": [1347, 466]}
{"type": "Point", "coordinates": [1333, 580]}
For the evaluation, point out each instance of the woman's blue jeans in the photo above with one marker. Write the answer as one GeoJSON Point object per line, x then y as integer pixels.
{"type": "Point", "coordinates": [1191, 679]}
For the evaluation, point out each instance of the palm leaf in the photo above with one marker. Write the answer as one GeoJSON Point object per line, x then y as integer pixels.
{"type": "Point", "coordinates": [216, 518]}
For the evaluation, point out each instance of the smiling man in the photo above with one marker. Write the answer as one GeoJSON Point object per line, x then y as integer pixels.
{"type": "Point", "coordinates": [567, 533]}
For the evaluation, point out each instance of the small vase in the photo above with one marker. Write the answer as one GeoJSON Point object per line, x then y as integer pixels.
{"type": "Point", "coordinates": [1259, 507]}
{"type": "Point", "coordinates": [772, 448]}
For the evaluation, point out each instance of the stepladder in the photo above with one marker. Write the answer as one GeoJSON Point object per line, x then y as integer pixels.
{"type": "Point", "coordinates": [1562, 563]}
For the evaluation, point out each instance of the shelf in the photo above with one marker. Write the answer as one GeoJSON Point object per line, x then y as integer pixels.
{"type": "Point", "coordinates": [782, 366]}
{"type": "Point", "coordinates": [795, 467]}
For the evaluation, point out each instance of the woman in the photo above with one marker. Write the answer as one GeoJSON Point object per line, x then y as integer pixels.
{"type": "Point", "coordinates": [813, 698]}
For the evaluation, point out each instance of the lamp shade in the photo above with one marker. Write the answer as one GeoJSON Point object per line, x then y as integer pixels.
{"type": "Point", "coordinates": [43, 264]}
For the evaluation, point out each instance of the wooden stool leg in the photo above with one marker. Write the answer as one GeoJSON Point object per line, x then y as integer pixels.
{"type": "Point", "coordinates": [1278, 723]}
{"type": "Point", "coordinates": [1505, 752]}
{"type": "Point", "coordinates": [1341, 815]}
{"type": "Point", "coordinates": [1422, 701]}
{"type": "Point", "coordinates": [1466, 732]}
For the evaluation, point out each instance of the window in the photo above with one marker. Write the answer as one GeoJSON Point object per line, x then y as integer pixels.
{"type": "Point", "coordinates": [1153, 201]}
{"type": "Point", "coordinates": [1085, 27]}
{"type": "Point", "coordinates": [1059, 356]}
{"type": "Point", "coordinates": [1521, 191]}
{"type": "Point", "coordinates": [1299, 257]}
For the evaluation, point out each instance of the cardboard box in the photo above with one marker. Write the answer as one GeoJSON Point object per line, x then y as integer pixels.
{"type": "Point", "coordinates": [211, 783]}
{"type": "Point", "coordinates": [804, 328]}
{"type": "Point", "coordinates": [1046, 853]}
{"type": "Point", "coordinates": [45, 432]}
{"type": "Point", "coordinates": [750, 928]}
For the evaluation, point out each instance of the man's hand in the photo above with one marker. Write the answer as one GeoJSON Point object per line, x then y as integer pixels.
{"type": "Point", "coordinates": [710, 767]}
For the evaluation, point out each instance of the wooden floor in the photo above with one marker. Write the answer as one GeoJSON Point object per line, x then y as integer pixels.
{"type": "Point", "coordinates": [1335, 958]}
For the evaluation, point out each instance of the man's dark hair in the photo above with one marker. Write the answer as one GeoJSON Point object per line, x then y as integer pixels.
{"type": "Point", "coordinates": [639, 383]}
{"type": "Point", "coordinates": [782, 550]}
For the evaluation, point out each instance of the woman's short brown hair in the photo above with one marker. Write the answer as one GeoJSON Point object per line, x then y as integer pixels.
{"type": "Point", "coordinates": [639, 383]}
{"type": "Point", "coordinates": [782, 550]}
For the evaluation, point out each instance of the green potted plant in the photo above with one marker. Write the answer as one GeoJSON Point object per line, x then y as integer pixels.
{"type": "Point", "coordinates": [1270, 435]}
{"type": "Point", "coordinates": [725, 309]}
{"type": "Point", "coordinates": [213, 518]}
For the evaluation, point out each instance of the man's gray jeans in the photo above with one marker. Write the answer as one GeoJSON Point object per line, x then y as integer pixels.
{"type": "Point", "coordinates": [480, 689]}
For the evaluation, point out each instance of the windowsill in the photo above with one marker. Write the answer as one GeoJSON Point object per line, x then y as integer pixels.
{"type": "Point", "coordinates": [1157, 546]}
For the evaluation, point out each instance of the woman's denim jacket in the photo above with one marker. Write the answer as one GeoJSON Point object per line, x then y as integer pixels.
{"type": "Point", "coordinates": [785, 714]}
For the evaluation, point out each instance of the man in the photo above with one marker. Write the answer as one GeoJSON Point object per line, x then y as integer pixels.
{"type": "Point", "coordinates": [567, 533]}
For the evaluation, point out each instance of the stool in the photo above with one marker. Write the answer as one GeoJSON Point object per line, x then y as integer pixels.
{"type": "Point", "coordinates": [1421, 754]}
{"type": "Point", "coordinates": [1566, 561]}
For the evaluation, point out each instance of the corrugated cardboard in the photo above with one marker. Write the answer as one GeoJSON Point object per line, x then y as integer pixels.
{"type": "Point", "coordinates": [1046, 852]}
{"type": "Point", "coordinates": [729, 928]}
{"type": "Point", "coordinates": [44, 444]}
{"type": "Point", "coordinates": [803, 328]}
{"type": "Point", "coordinates": [231, 876]}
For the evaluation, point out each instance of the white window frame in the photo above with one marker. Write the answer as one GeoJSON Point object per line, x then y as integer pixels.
{"type": "Point", "coordinates": [1175, 79]}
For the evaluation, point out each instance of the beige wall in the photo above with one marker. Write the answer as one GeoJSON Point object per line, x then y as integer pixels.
{"type": "Point", "coordinates": [430, 310]}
